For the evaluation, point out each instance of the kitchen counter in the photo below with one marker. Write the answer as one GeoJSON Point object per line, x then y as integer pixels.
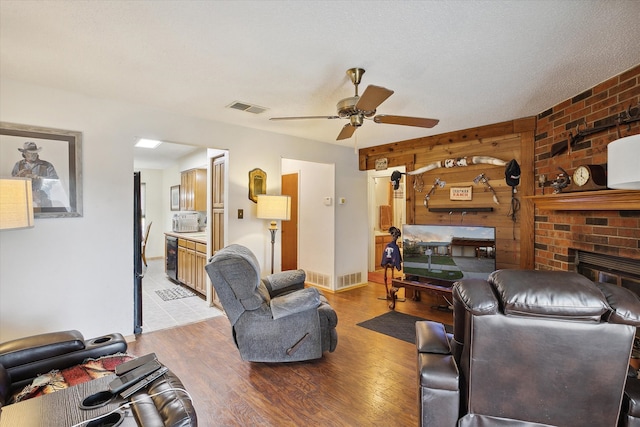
{"type": "Point", "coordinates": [199, 237]}
{"type": "Point", "coordinates": [191, 255]}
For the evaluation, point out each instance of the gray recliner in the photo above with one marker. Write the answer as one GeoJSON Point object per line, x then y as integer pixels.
{"type": "Point", "coordinates": [529, 348]}
{"type": "Point", "coordinates": [275, 319]}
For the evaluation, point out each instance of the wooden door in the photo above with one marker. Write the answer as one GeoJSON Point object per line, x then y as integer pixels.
{"type": "Point", "coordinates": [289, 253]}
{"type": "Point", "coordinates": [217, 204]}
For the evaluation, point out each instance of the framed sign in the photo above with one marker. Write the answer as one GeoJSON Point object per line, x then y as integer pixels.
{"type": "Point", "coordinates": [175, 198]}
{"type": "Point", "coordinates": [257, 184]}
{"type": "Point", "coordinates": [52, 158]}
{"type": "Point", "coordinates": [460, 193]}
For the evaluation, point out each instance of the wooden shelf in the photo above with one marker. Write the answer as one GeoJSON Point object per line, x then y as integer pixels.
{"type": "Point", "coordinates": [601, 200]}
{"type": "Point", "coordinates": [458, 210]}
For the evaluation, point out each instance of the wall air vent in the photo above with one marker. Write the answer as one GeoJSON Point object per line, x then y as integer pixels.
{"type": "Point", "coordinates": [348, 280]}
{"type": "Point", "coordinates": [249, 108]}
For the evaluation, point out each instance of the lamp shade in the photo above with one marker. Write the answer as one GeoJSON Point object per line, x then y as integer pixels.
{"type": "Point", "coordinates": [16, 203]}
{"type": "Point", "coordinates": [623, 163]}
{"type": "Point", "coordinates": [274, 207]}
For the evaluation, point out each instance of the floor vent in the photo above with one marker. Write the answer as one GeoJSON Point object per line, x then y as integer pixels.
{"type": "Point", "coordinates": [349, 280]}
{"type": "Point", "coordinates": [319, 279]}
{"type": "Point", "coordinates": [249, 108]}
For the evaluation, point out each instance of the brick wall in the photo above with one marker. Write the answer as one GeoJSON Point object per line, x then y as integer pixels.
{"type": "Point", "coordinates": [559, 233]}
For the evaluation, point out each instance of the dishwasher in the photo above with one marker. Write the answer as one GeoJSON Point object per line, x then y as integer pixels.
{"type": "Point", "coordinates": [171, 267]}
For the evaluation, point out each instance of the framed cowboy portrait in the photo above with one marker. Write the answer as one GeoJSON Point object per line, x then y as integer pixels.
{"type": "Point", "coordinates": [52, 158]}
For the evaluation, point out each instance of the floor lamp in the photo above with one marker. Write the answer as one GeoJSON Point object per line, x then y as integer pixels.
{"type": "Point", "coordinates": [16, 203]}
{"type": "Point", "coordinates": [274, 208]}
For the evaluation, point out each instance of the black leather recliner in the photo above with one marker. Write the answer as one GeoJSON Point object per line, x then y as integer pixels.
{"type": "Point", "coordinates": [529, 348]}
{"type": "Point", "coordinates": [23, 359]}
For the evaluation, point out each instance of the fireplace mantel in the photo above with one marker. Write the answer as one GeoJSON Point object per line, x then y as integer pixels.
{"type": "Point", "coordinates": [601, 200]}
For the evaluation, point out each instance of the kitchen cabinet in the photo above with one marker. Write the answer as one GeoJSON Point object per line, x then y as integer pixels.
{"type": "Point", "coordinates": [186, 262]}
{"type": "Point", "coordinates": [381, 242]}
{"type": "Point", "coordinates": [193, 190]}
{"type": "Point", "coordinates": [192, 258]}
{"type": "Point", "coordinates": [199, 273]}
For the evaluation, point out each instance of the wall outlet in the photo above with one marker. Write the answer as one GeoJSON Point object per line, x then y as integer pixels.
{"type": "Point", "coordinates": [240, 213]}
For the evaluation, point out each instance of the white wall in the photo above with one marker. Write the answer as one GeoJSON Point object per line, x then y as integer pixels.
{"type": "Point", "coordinates": [158, 183]}
{"type": "Point", "coordinates": [76, 273]}
{"type": "Point", "coordinates": [154, 211]}
{"type": "Point", "coordinates": [316, 220]}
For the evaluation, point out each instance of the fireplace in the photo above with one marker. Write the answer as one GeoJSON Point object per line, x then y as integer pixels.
{"type": "Point", "coordinates": [611, 269]}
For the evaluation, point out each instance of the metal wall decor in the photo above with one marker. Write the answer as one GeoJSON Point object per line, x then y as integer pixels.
{"type": "Point", "coordinates": [257, 184]}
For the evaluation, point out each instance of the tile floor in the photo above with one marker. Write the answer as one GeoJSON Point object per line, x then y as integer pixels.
{"type": "Point", "coordinates": [160, 314]}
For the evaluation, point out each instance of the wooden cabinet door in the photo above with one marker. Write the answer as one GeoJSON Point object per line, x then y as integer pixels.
{"type": "Point", "coordinates": [200, 280]}
{"type": "Point", "coordinates": [185, 191]}
{"type": "Point", "coordinates": [217, 204]}
{"type": "Point", "coordinates": [193, 190]}
{"type": "Point", "coordinates": [381, 242]}
{"type": "Point", "coordinates": [182, 264]}
{"type": "Point", "coordinates": [199, 184]}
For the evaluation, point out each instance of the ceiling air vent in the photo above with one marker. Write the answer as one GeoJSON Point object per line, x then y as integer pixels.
{"type": "Point", "coordinates": [243, 106]}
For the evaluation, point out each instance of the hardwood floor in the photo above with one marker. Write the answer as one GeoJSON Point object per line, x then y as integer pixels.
{"type": "Point", "coordinates": [370, 380]}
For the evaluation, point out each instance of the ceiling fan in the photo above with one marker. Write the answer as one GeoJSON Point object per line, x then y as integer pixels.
{"type": "Point", "coordinates": [357, 108]}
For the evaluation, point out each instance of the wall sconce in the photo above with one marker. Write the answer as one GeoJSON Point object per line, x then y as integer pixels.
{"type": "Point", "coordinates": [274, 208]}
{"type": "Point", "coordinates": [622, 164]}
{"type": "Point", "coordinates": [16, 203]}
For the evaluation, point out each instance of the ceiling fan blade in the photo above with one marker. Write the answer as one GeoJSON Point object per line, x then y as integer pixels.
{"type": "Point", "coordinates": [304, 117]}
{"type": "Point", "coordinates": [372, 97]}
{"type": "Point", "coordinates": [346, 132]}
{"type": "Point", "coordinates": [406, 121]}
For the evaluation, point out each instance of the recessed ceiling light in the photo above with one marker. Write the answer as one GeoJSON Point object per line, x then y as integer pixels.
{"type": "Point", "coordinates": [147, 143]}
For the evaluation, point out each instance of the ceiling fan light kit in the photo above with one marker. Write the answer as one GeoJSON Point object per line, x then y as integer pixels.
{"type": "Point", "coordinates": [357, 108]}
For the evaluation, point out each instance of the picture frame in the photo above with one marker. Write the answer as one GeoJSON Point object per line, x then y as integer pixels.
{"type": "Point", "coordinates": [257, 184]}
{"type": "Point", "coordinates": [56, 170]}
{"type": "Point", "coordinates": [175, 198]}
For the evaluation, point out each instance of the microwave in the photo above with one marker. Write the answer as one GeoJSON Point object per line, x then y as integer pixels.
{"type": "Point", "coordinates": [186, 222]}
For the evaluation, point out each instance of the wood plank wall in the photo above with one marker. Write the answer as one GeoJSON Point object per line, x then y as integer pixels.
{"type": "Point", "coordinates": [504, 141]}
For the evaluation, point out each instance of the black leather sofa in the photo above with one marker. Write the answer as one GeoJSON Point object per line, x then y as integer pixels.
{"type": "Point", "coordinates": [164, 403]}
{"type": "Point", "coordinates": [23, 359]}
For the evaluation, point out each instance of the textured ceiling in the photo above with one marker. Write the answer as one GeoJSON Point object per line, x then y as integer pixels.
{"type": "Point", "coordinates": [467, 63]}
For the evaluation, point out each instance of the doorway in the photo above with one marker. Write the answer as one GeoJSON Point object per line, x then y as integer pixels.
{"type": "Point", "coordinates": [387, 207]}
{"type": "Point", "coordinates": [312, 232]}
{"type": "Point", "coordinates": [159, 172]}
